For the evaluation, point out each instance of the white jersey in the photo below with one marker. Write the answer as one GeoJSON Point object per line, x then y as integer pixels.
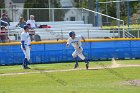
{"type": "Point", "coordinates": [32, 23]}
{"type": "Point", "coordinates": [26, 38]}
{"type": "Point", "coordinates": [76, 43]}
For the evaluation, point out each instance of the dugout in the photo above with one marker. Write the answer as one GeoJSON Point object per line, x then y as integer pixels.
{"type": "Point", "coordinates": [56, 51]}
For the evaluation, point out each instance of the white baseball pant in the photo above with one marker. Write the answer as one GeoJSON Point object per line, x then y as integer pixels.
{"type": "Point", "coordinates": [26, 52]}
{"type": "Point", "coordinates": [78, 52]}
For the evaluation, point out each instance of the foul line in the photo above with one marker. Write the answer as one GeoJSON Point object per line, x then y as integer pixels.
{"type": "Point", "coordinates": [66, 70]}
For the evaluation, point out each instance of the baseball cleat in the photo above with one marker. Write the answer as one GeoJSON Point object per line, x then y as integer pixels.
{"type": "Point", "coordinates": [25, 67]}
{"type": "Point", "coordinates": [87, 65]}
{"type": "Point", "coordinates": [75, 66]}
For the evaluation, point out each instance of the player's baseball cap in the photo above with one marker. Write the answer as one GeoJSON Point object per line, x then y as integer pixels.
{"type": "Point", "coordinates": [71, 33]}
{"type": "Point", "coordinates": [25, 27]}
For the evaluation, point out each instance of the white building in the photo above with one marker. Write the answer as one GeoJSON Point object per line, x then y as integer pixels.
{"type": "Point", "coordinates": [76, 15]}
{"type": "Point", "coordinates": [79, 15]}
{"type": "Point", "coordinates": [73, 15]}
{"type": "Point", "coordinates": [66, 3]}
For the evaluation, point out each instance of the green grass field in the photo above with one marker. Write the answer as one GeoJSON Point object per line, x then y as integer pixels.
{"type": "Point", "coordinates": [111, 80]}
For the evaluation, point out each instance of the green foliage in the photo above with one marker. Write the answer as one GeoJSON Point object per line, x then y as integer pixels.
{"type": "Point", "coordinates": [40, 3]}
{"type": "Point", "coordinates": [81, 3]}
{"type": "Point", "coordinates": [2, 4]}
{"type": "Point", "coordinates": [134, 6]}
{"type": "Point", "coordinates": [42, 15]}
{"type": "Point", "coordinates": [111, 7]}
{"type": "Point", "coordinates": [125, 27]}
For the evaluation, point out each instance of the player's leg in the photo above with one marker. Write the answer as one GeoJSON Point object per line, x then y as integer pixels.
{"type": "Point", "coordinates": [74, 55]}
{"type": "Point", "coordinates": [25, 63]}
{"type": "Point", "coordinates": [80, 54]}
{"type": "Point", "coordinates": [87, 63]}
{"type": "Point", "coordinates": [25, 59]}
{"type": "Point", "coordinates": [28, 52]}
{"type": "Point", "coordinates": [27, 56]}
{"type": "Point", "coordinates": [83, 58]}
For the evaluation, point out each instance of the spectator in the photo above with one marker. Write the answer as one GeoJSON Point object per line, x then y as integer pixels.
{"type": "Point", "coordinates": [31, 22]}
{"type": "Point", "coordinates": [5, 19]}
{"type": "Point", "coordinates": [4, 35]}
{"type": "Point", "coordinates": [3, 23]}
{"type": "Point", "coordinates": [22, 22]}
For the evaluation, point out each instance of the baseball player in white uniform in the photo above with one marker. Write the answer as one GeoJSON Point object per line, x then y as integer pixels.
{"type": "Point", "coordinates": [76, 43]}
{"type": "Point", "coordinates": [26, 46]}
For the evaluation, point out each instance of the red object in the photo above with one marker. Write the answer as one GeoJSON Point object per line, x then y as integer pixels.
{"type": "Point", "coordinates": [3, 33]}
{"type": "Point", "coordinates": [4, 14]}
{"type": "Point", "coordinates": [45, 26]}
{"type": "Point", "coordinates": [49, 26]}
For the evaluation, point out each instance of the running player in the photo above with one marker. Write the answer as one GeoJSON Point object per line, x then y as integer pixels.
{"type": "Point", "coordinates": [76, 43]}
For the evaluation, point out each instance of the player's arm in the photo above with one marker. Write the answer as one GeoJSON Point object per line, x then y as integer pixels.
{"type": "Point", "coordinates": [23, 45]}
{"type": "Point", "coordinates": [23, 42]}
{"type": "Point", "coordinates": [68, 43]}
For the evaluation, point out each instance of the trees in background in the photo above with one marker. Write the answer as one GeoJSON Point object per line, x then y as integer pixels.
{"type": "Point", "coordinates": [109, 8]}
{"type": "Point", "coordinates": [106, 8]}
{"type": "Point", "coordinates": [2, 4]}
{"type": "Point", "coordinates": [43, 14]}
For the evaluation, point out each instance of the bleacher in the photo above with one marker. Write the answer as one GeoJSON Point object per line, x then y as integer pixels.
{"type": "Point", "coordinates": [60, 30]}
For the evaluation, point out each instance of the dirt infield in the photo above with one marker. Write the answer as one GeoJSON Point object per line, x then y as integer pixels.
{"type": "Point", "coordinates": [114, 65]}
{"type": "Point", "coordinates": [132, 82]}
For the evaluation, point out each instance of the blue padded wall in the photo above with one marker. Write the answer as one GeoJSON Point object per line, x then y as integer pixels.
{"type": "Point", "coordinates": [50, 53]}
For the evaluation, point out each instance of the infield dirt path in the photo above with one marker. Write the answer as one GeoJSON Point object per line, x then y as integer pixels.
{"type": "Point", "coordinates": [114, 65]}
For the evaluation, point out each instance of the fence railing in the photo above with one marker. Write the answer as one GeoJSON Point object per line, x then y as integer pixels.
{"type": "Point", "coordinates": [46, 34]}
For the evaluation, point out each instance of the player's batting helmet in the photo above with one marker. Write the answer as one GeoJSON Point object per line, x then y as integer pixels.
{"type": "Point", "coordinates": [25, 27]}
{"type": "Point", "coordinates": [71, 33]}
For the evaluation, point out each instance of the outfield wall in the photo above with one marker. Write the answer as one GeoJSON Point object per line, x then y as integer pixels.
{"type": "Point", "coordinates": [56, 51]}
